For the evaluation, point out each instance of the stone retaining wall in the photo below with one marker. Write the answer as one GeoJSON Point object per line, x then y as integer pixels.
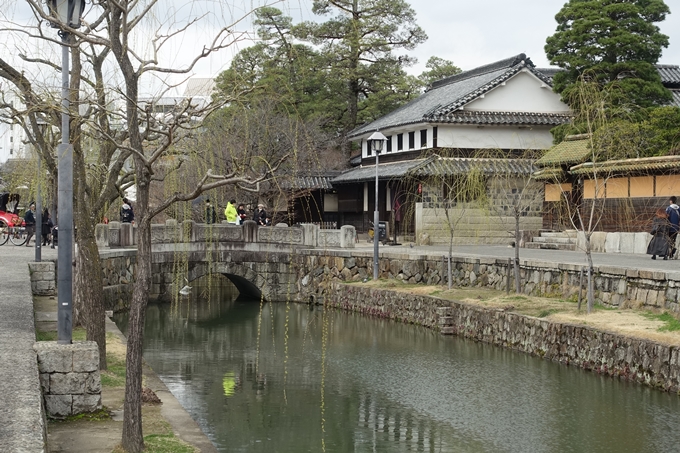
{"type": "Point", "coordinates": [69, 377]}
{"type": "Point", "coordinates": [118, 269]}
{"type": "Point", "coordinates": [43, 278]}
{"type": "Point", "coordinates": [643, 361]}
{"type": "Point", "coordinates": [613, 286]}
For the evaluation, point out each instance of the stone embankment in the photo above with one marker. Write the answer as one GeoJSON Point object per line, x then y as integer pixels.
{"type": "Point", "coordinates": [643, 361]}
{"type": "Point", "coordinates": [614, 286]}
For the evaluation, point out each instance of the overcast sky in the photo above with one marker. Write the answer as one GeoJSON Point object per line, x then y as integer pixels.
{"type": "Point", "coordinates": [473, 33]}
{"type": "Point", "coordinates": [469, 33]}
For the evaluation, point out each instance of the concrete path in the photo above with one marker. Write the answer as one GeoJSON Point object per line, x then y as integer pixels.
{"type": "Point", "coordinates": [621, 260]}
{"type": "Point", "coordinates": [22, 427]}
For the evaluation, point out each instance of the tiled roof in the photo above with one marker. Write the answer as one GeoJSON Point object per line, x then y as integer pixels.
{"type": "Point", "coordinates": [676, 97]}
{"type": "Point", "coordinates": [528, 118]}
{"type": "Point", "coordinates": [385, 171]}
{"type": "Point", "coordinates": [670, 75]}
{"type": "Point", "coordinates": [300, 182]}
{"type": "Point", "coordinates": [643, 164]}
{"type": "Point", "coordinates": [446, 166]}
{"type": "Point", "coordinates": [448, 95]}
{"type": "Point", "coordinates": [549, 174]}
{"type": "Point", "coordinates": [567, 152]}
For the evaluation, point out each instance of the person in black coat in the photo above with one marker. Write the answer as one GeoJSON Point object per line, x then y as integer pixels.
{"type": "Point", "coordinates": [46, 228]}
{"type": "Point", "coordinates": [29, 220]}
{"type": "Point", "coordinates": [661, 229]}
{"type": "Point", "coordinates": [260, 215]}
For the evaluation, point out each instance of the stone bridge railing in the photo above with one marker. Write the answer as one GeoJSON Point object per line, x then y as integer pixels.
{"type": "Point", "coordinates": [116, 234]}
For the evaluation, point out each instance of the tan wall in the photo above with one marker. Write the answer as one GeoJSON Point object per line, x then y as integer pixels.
{"type": "Point", "coordinates": [642, 186]}
{"type": "Point", "coordinates": [667, 185]}
{"type": "Point", "coordinates": [617, 188]}
{"type": "Point", "coordinates": [589, 189]}
{"type": "Point", "coordinates": [553, 192]}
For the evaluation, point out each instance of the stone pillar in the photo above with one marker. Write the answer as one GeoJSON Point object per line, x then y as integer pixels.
{"type": "Point", "coordinates": [69, 377]}
{"type": "Point", "coordinates": [101, 234]}
{"type": "Point", "coordinates": [114, 234]}
{"type": "Point", "coordinates": [188, 233]}
{"type": "Point", "coordinates": [43, 278]}
{"type": "Point", "coordinates": [310, 234]}
{"type": "Point", "coordinates": [127, 238]}
{"type": "Point", "coordinates": [348, 236]}
{"type": "Point", "coordinates": [249, 231]}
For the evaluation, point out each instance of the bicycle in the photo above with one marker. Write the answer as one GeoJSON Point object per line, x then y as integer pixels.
{"type": "Point", "coordinates": [17, 235]}
{"type": "Point", "coordinates": [4, 233]}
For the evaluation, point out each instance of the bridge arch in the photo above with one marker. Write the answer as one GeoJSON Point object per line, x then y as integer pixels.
{"type": "Point", "coordinates": [247, 281]}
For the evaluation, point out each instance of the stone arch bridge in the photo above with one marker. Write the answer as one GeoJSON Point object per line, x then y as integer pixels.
{"type": "Point", "coordinates": [277, 263]}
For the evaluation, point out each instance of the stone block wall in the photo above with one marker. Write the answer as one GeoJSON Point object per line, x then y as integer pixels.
{"type": "Point", "coordinates": [43, 278]}
{"type": "Point", "coordinates": [643, 361]}
{"type": "Point", "coordinates": [118, 269]}
{"type": "Point", "coordinates": [69, 377]}
{"type": "Point", "coordinates": [613, 286]}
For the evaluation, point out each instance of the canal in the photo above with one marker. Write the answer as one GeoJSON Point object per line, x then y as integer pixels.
{"type": "Point", "coordinates": [289, 378]}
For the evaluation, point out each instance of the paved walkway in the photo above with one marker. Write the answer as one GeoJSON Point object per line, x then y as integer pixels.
{"type": "Point", "coordinates": [22, 428]}
{"type": "Point", "coordinates": [621, 260]}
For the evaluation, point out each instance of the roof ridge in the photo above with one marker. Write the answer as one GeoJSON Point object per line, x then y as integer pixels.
{"type": "Point", "coordinates": [485, 69]}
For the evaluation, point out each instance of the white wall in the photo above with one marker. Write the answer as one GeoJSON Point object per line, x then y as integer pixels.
{"type": "Point", "coordinates": [494, 137]}
{"type": "Point", "coordinates": [524, 92]}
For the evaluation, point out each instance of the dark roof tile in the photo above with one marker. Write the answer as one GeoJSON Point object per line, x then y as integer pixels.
{"type": "Point", "coordinates": [449, 166]}
{"type": "Point", "coordinates": [385, 171]}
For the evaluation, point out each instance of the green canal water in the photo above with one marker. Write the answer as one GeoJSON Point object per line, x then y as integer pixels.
{"type": "Point", "coordinates": [289, 378]}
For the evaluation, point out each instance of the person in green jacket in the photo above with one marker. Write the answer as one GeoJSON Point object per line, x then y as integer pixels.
{"type": "Point", "coordinates": [230, 212]}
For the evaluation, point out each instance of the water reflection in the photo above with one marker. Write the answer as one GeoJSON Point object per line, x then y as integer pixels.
{"type": "Point", "coordinates": [290, 379]}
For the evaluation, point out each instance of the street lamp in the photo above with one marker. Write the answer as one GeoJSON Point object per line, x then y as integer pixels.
{"type": "Point", "coordinates": [67, 14]}
{"type": "Point", "coordinates": [42, 125]}
{"type": "Point", "coordinates": [376, 142]}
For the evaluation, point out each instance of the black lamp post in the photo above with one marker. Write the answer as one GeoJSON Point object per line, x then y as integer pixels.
{"type": "Point", "coordinates": [376, 142]}
{"type": "Point", "coordinates": [42, 125]}
{"type": "Point", "coordinates": [67, 14]}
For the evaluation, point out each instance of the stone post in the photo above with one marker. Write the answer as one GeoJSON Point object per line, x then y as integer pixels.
{"type": "Point", "coordinates": [310, 234]}
{"type": "Point", "coordinates": [69, 377]}
{"type": "Point", "coordinates": [101, 234]}
{"type": "Point", "coordinates": [114, 234]}
{"type": "Point", "coordinates": [127, 238]}
{"type": "Point", "coordinates": [347, 236]}
{"type": "Point", "coordinates": [249, 231]}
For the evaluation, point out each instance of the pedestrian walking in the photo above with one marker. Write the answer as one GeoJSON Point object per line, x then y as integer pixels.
{"type": "Point", "coordinates": [230, 212]}
{"type": "Point", "coordinates": [29, 220]}
{"type": "Point", "coordinates": [260, 215]}
{"type": "Point", "coordinates": [127, 214]}
{"type": "Point", "coordinates": [673, 211]}
{"type": "Point", "coordinates": [660, 243]}
{"type": "Point", "coordinates": [241, 212]}
{"type": "Point", "coordinates": [47, 225]}
{"type": "Point", "coordinates": [210, 215]}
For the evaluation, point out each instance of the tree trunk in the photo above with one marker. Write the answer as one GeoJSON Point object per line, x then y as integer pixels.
{"type": "Point", "coordinates": [133, 439]}
{"type": "Point", "coordinates": [591, 289]}
{"type": "Point", "coordinates": [89, 288]}
{"type": "Point", "coordinates": [518, 282]}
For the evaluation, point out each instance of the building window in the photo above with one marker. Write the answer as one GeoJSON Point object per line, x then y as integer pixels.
{"type": "Point", "coordinates": [434, 137]}
{"type": "Point", "coordinates": [388, 148]}
{"type": "Point", "coordinates": [400, 142]}
{"type": "Point", "coordinates": [423, 138]}
{"type": "Point", "coordinates": [411, 140]}
{"type": "Point", "coordinates": [369, 148]}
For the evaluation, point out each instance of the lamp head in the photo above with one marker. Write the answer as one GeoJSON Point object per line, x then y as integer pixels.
{"type": "Point", "coordinates": [377, 141]}
{"type": "Point", "coordinates": [67, 12]}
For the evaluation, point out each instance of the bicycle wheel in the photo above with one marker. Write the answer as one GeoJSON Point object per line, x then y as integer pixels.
{"type": "Point", "coordinates": [4, 233]}
{"type": "Point", "coordinates": [17, 235]}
